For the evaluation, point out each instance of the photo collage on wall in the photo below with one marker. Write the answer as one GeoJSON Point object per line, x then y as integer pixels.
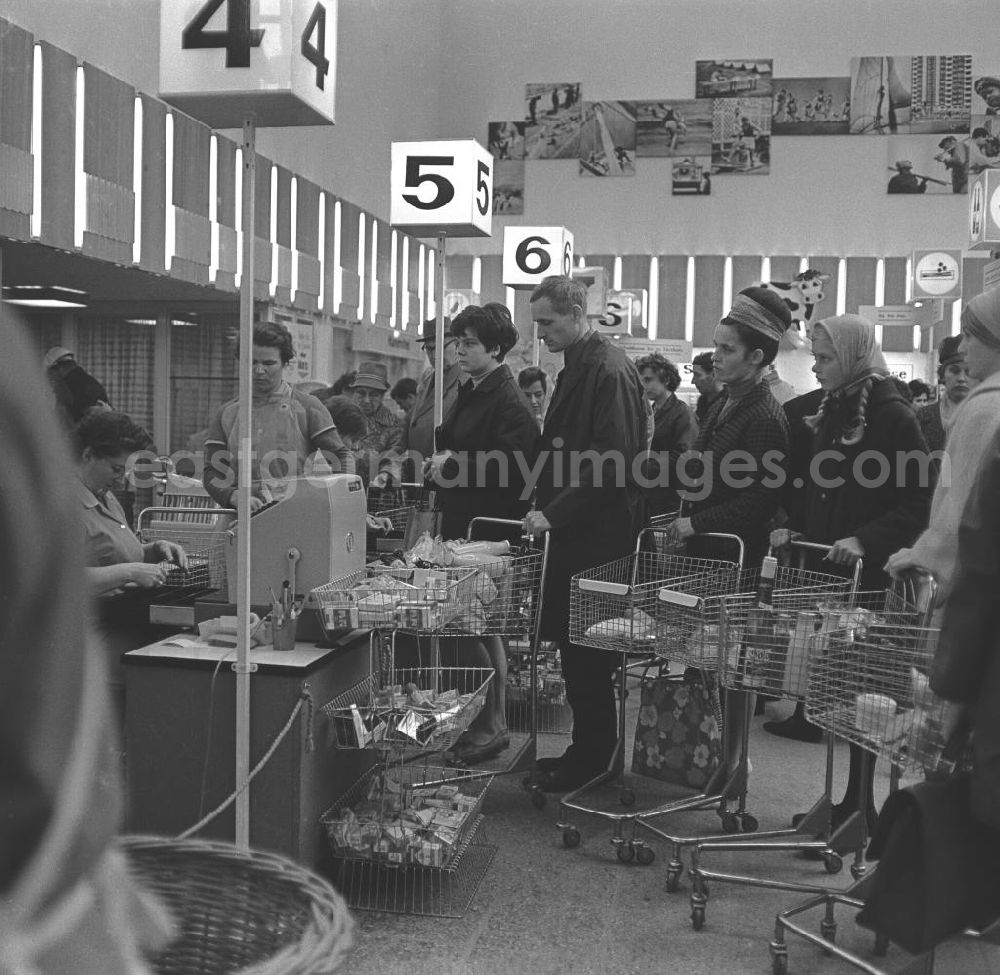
{"type": "Point", "coordinates": [940, 119]}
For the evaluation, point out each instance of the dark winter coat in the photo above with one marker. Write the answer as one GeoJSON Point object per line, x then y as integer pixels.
{"type": "Point", "coordinates": [884, 516]}
{"type": "Point", "coordinates": [674, 433]}
{"type": "Point", "coordinates": [756, 431]}
{"type": "Point", "coordinates": [595, 511]}
{"type": "Point", "coordinates": [493, 418]}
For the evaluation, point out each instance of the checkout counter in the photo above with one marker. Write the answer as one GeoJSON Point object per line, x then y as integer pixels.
{"type": "Point", "coordinates": [180, 713]}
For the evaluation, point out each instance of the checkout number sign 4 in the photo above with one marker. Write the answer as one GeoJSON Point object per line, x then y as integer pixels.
{"type": "Point", "coordinates": [240, 36]}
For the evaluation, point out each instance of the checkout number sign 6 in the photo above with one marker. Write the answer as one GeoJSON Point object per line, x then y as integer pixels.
{"type": "Point", "coordinates": [240, 37]}
{"type": "Point", "coordinates": [534, 256]}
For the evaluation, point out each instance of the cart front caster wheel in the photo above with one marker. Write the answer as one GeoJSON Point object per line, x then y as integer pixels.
{"type": "Point", "coordinates": [645, 855]}
{"type": "Point", "coordinates": [833, 862]}
{"type": "Point", "coordinates": [779, 964]}
{"type": "Point", "coordinates": [538, 798]}
{"type": "Point", "coordinates": [730, 822]}
{"type": "Point", "coordinates": [697, 917]}
{"type": "Point", "coordinates": [626, 796]}
{"type": "Point", "coordinates": [626, 851]}
{"type": "Point", "coordinates": [673, 881]}
{"type": "Point", "coordinates": [748, 823]}
{"type": "Point", "coordinates": [829, 930]}
{"type": "Point", "coordinates": [881, 945]}
{"type": "Point", "coordinates": [571, 838]}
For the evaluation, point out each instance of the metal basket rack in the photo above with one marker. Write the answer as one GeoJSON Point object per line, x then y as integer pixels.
{"type": "Point", "coordinates": [620, 607]}
{"type": "Point", "coordinates": [398, 503]}
{"type": "Point", "coordinates": [416, 872]}
{"type": "Point", "coordinates": [202, 531]}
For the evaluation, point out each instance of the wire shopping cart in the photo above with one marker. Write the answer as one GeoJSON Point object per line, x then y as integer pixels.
{"type": "Point", "coordinates": [400, 505]}
{"type": "Point", "coordinates": [742, 672]}
{"type": "Point", "coordinates": [620, 607]}
{"type": "Point", "coordinates": [869, 687]}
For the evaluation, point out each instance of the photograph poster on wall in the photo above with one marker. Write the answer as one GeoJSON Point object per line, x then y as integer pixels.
{"type": "Point", "coordinates": [741, 136]}
{"type": "Point", "coordinates": [731, 78]}
{"type": "Point", "coordinates": [811, 106]}
{"type": "Point", "coordinates": [607, 139]}
{"type": "Point", "coordinates": [920, 95]}
{"type": "Point", "coordinates": [667, 127]}
{"type": "Point", "coordinates": [553, 113]}
{"type": "Point", "coordinates": [912, 166]}
{"type": "Point", "coordinates": [691, 176]}
{"type": "Point", "coordinates": [508, 187]}
{"type": "Point", "coordinates": [506, 140]}
{"type": "Point", "coordinates": [986, 91]}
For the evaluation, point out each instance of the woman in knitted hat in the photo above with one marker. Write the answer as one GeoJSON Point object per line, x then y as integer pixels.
{"type": "Point", "coordinates": [868, 488]}
{"type": "Point", "coordinates": [740, 499]}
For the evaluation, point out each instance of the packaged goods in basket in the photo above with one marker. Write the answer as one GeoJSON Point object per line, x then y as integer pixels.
{"type": "Point", "coordinates": [421, 825]}
{"type": "Point", "coordinates": [637, 627]}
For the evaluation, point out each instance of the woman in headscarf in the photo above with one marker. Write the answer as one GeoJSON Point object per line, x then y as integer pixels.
{"type": "Point", "coordinates": [868, 489]}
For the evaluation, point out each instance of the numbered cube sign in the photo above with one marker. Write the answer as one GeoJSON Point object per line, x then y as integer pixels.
{"type": "Point", "coordinates": [222, 60]}
{"type": "Point", "coordinates": [441, 189]}
{"type": "Point", "coordinates": [936, 274]}
{"type": "Point", "coordinates": [624, 314]}
{"type": "Point", "coordinates": [533, 253]}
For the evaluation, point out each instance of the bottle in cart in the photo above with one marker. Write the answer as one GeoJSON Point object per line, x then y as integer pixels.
{"type": "Point", "coordinates": [759, 638]}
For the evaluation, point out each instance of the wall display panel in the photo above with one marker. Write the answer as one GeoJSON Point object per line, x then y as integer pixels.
{"type": "Point", "coordinates": [860, 283]}
{"type": "Point", "coordinates": [607, 139]}
{"type": "Point", "coordinates": [350, 216]}
{"type": "Point", "coordinates": [16, 162]}
{"type": "Point", "coordinates": [811, 106]}
{"type": "Point", "coordinates": [282, 256]}
{"type": "Point", "coordinates": [746, 271]}
{"type": "Point", "coordinates": [227, 257]}
{"type": "Point", "coordinates": [784, 268]}
{"type": "Point", "coordinates": [262, 229]}
{"type": "Point", "coordinates": [830, 268]}
{"type": "Point", "coordinates": [897, 338]}
{"type": "Point", "coordinates": [306, 244]}
{"type": "Point", "coordinates": [58, 147]}
{"type": "Point", "coordinates": [709, 271]}
{"type": "Point", "coordinates": [190, 199]}
{"type": "Point", "coordinates": [491, 287]}
{"type": "Point", "coordinates": [457, 272]}
{"type": "Point", "coordinates": [635, 276]}
{"type": "Point", "coordinates": [972, 277]}
{"type": "Point", "coordinates": [154, 185]}
{"type": "Point", "coordinates": [895, 281]}
{"type": "Point", "coordinates": [672, 273]}
{"type": "Point", "coordinates": [554, 115]}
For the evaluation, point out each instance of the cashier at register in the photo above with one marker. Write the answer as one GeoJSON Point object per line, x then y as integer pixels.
{"type": "Point", "coordinates": [116, 560]}
{"type": "Point", "coordinates": [288, 427]}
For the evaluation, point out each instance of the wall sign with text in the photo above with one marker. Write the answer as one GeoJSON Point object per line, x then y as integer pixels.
{"type": "Point", "coordinates": [222, 60]}
{"type": "Point", "coordinates": [441, 189]}
{"type": "Point", "coordinates": [533, 253]}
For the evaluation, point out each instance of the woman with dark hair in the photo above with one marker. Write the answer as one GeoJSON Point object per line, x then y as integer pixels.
{"type": "Point", "coordinates": [118, 565]}
{"type": "Point", "coordinates": [289, 426]}
{"type": "Point", "coordinates": [868, 493]}
{"type": "Point", "coordinates": [674, 430]}
{"type": "Point", "coordinates": [486, 441]}
{"type": "Point", "coordinates": [741, 499]}
{"type": "Point", "coordinates": [535, 385]}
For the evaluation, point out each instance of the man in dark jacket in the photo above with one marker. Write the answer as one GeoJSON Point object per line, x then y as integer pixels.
{"type": "Point", "coordinates": [586, 498]}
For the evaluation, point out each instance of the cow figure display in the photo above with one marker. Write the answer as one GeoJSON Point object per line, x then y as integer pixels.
{"type": "Point", "coordinates": [801, 295]}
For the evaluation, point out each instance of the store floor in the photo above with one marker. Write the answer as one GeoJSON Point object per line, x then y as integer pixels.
{"type": "Point", "coordinates": [547, 910]}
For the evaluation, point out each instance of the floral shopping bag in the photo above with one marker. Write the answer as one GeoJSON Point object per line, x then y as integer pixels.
{"type": "Point", "coordinates": [678, 736]}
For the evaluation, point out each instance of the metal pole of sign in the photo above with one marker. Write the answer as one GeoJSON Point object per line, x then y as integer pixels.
{"type": "Point", "coordinates": [439, 338]}
{"type": "Point", "coordinates": [243, 493]}
{"type": "Point", "coordinates": [535, 344]}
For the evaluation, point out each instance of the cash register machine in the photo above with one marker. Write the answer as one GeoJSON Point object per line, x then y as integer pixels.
{"type": "Point", "coordinates": [180, 697]}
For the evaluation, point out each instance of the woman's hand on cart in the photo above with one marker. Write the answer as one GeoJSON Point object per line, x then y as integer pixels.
{"type": "Point", "coordinates": [782, 538]}
{"type": "Point", "coordinates": [382, 480]}
{"type": "Point", "coordinates": [679, 531]}
{"type": "Point", "coordinates": [846, 551]}
{"type": "Point", "coordinates": [535, 523]}
{"type": "Point", "coordinates": [903, 562]}
{"type": "Point", "coordinates": [434, 468]}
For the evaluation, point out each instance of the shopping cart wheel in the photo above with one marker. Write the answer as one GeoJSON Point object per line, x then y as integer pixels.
{"type": "Point", "coordinates": [829, 930]}
{"type": "Point", "coordinates": [537, 798]}
{"type": "Point", "coordinates": [779, 962]}
{"type": "Point", "coordinates": [698, 917]}
{"type": "Point", "coordinates": [644, 854]}
{"type": "Point", "coordinates": [626, 851]}
{"type": "Point", "coordinates": [626, 796]}
{"type": "Point", "coordinates": [748, 823]}
{"type": "Point", "coordinates": [833, 862]}
{"type": "Point", "coordinates": [881, 945]}
{"type": "Point", "coordinates": [730, 822]}
{"type": "Point", "coordinates": [571, 837]}
{"type": "Point", "coordinates": [673, 879]}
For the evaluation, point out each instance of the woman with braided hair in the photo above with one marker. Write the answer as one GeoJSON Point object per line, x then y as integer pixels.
{"type": "Point", "coordinates": [869, 486]}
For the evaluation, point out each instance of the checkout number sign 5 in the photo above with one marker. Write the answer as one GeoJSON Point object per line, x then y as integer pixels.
{"type": "Point", "coordinates": [240, 36]}
{"type": "Point", "coordinates": [436, 189]}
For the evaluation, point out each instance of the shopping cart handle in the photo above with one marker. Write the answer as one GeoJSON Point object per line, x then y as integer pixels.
{"type": "Point", "coordinates": [608, 588]}
{"type": "Point", "coordinates": [685, 600]}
